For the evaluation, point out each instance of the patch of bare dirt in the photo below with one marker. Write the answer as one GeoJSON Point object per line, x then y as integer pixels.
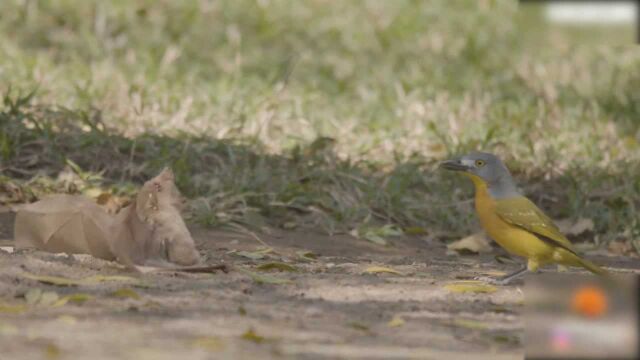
{"type": "Point", "coordinates": [331, 308]}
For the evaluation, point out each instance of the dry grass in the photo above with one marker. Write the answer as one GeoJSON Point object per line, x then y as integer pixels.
{"type": "Point", "coordinates": [326, 114]}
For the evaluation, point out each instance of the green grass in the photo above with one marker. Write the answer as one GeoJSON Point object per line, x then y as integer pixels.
{"type": "Point", "coordinates": [318, 114]}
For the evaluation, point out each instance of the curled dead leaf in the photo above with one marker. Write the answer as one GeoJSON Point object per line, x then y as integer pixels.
{"type": "Point", "coordinates": [472, 244]}
{"type": "Point", "coordinates": [307, 255]}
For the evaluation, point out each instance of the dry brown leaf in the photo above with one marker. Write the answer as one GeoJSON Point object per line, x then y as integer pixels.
{"type": "Point", "coordinates": [472, 244]}
{"type": "Point", "coordinates": [150, 231]}
{"type": "Point", "coordinates": [111, 203]}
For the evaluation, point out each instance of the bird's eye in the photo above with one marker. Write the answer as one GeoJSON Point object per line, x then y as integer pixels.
{"type": "Point", "coordinates": [479, 163]}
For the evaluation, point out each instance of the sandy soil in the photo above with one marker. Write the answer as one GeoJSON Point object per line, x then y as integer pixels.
{"type": "Point", "coordinates": [331, 308]}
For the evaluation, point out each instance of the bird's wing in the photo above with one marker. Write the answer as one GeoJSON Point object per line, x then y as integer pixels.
{"type": "Point", "coordinates": [521, 212]}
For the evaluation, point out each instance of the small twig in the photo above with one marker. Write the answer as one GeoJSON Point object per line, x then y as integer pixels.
{"type": "Point", "coordinates": [188, 269]}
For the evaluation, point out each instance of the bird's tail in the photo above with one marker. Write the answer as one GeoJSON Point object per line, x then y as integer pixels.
{"type": "Point", "coordinates": [593, 267]}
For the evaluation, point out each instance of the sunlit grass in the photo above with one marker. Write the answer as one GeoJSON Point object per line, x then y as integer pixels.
{"type": "Point", "coordinates": [321, 114]}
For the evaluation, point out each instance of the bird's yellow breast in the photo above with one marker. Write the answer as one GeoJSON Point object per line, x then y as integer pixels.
{"type": "Point", "coordinates": [512, 238]}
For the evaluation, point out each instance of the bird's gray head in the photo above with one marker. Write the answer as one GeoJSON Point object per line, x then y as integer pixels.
{"type": "Point", "coordinates": [485, 169]}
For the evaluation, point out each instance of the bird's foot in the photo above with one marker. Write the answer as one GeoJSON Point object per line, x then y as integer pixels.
{"type": "Point", "coordinates": [493, 281]}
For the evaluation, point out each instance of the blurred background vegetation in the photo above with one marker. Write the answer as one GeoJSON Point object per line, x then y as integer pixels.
{"type": "Point", "coordinates": [317, 114]}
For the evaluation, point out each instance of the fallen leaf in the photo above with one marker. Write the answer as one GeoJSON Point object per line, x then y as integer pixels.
{"type": "Point", "coordinates": [472, 244]}
{"type": "Point", "coordinates": [8, 249]}
{"type": "Point", "coordinates": [494, 273]}
{"type": "Point", "coordinates": [382, 269]}
{"type": "Point", "coordinates": [289, 225]}
{"type": "Point", "coordinates": [209, 343]}
{"type": "Point", "coordinates": [396, 321]}
{"type": "Point", "coordinates": [415, 230]}
{"type": "Point", "coordinates": [32, 296]}
{"type": "Point", "coordinates": [277, 266]}
{"type": "Point", "coordinates": [377, 235]}
{"type": "Point", "coordinates": [264, 279]}
{"type": "Point", "coordinates": [91, 280]}
{"type": "Point", "coordinates": [251, 335]}
{"type": "Point", "coordinates": [52, 351]}
{"type": "Point", "coordinates": [507, 339]}
{"type": "Point", "coordinates": [376, 239]}
{"type": "Point", "coordinates": [48, 298]}
{"type": "Point", "coordinates": [111, 203]}
{"type": "Point", "coordinates": [67, 319]}
{"type": "Point", "coordinates": [126, 293]}
{"type": "Point", "coordinates": [306, 255]}
{"type": "Point", "coordinates": [359, 326]}
{"type": "Point", "coordinates": [12, 309]}
{"type": "Point", "coordinates": [255, 255]}
{"type": "Point", "coordinates": [8, 329]}
{"type": "Point", "coordinates": [470, 286]}
{"type": "Point", "coordinates": [76, 298]}
{"type": "Point", "coordinates": [470, 324]}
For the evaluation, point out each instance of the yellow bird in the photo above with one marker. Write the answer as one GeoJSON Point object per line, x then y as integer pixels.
{"type": "Point", "coordinates": [512, 220]}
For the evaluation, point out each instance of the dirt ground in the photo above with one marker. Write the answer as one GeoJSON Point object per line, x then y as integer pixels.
{"type": "Point", "coordinates": [330, 309]}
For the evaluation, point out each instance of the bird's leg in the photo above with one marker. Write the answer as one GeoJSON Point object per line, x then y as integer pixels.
{"type": "Point", "coordinates": [516, 274]}
{"type": "Point", "coordinates": [506, 279]}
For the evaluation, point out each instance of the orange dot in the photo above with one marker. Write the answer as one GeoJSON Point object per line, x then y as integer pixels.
{"type": "Point", "coordinates": [590, 301]}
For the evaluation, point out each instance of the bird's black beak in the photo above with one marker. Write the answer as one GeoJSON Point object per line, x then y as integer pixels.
{"type": "Point", "coordinates": [455, 165]}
